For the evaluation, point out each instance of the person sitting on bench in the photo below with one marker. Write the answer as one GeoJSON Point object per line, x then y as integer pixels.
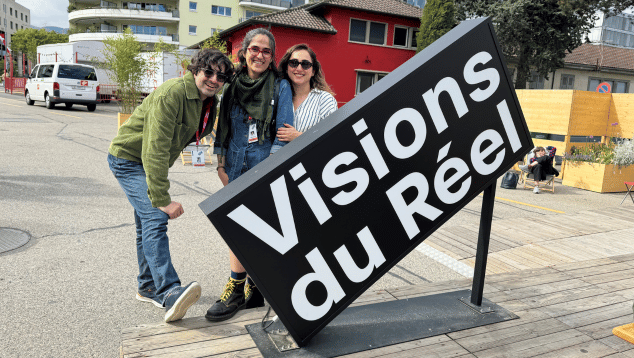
{"type": "Point", "coordinates": [541, 165]}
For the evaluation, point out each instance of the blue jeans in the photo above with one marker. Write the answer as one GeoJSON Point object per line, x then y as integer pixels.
{"type": "Point", "coordinates": [156, 272]}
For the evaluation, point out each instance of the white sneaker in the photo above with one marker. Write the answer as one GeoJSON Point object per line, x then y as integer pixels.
{"type": "Point", "coordinates": [536, 190]}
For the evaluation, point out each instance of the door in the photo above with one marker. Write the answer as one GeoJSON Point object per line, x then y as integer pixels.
{"type": "Point", "coordinates": [77, 82]}
{"type": "Point", "coordinates": [45, 81]}
{"type": "Point", "coordinates": [31, 83]}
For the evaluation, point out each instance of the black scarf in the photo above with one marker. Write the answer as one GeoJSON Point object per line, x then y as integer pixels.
{"type": "Point", "coordinates": [254, 96]}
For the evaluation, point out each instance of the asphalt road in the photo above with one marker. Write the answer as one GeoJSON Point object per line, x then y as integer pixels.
{"type": "Point", "coordinates": [70, 290]}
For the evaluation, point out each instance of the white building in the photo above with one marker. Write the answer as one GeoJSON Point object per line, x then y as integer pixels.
{"type": "Point", "coordinates": [178, 22]}
{"type": "Point", "coordinates": [13, 17]}
{"type": "Point", "coordinates": [614, 30]}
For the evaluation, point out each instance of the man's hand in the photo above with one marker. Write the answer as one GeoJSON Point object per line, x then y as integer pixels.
{"type": "Point", "coordinates": [174, 210]}
{"type": "Point", "coordinates": [287, 134]}
{"type": "Point", "coordinates": [224, 178]}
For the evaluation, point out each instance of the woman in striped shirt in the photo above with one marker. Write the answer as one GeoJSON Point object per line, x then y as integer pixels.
{"type": "Point", "coordinates": [312, 97]}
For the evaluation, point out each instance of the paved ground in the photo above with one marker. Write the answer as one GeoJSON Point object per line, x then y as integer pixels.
{"type": "Point", "coordinates": [70, 290]}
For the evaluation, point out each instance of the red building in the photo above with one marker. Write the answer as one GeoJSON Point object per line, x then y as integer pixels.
{"type": "Point", "coordinates": [357, 41]}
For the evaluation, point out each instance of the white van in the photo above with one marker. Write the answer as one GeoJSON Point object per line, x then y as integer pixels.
{"type": "Point", "coordinates": [68, 83]}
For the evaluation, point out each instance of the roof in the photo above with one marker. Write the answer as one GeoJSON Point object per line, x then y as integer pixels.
{"type": "Point", "coordinates": [309, 18]}
{"type": "Point", "coordinates": [297, 17]}
{"type": "Point", "coordinates": [601, 56]}
{"type": "Point", "coordinates": [388, 7]}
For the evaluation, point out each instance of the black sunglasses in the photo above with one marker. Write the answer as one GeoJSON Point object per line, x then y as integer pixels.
{"type": "Point", "coordinates": [220, 77]}
{"type": "Point", "coordinates": [305, 64]}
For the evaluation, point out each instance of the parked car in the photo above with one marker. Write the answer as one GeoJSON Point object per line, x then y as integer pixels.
{"type": "Point", "coordinates": [68, 83]}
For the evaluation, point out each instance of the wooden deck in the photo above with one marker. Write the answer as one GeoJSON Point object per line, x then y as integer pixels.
{"type": "Point", "coordinates": [569, 290]}
{"type": "Point", "coordinates": [514, 246]}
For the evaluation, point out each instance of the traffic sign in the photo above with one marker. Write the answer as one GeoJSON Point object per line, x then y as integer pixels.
{"type": "Point", "coordinates": [604, 87]}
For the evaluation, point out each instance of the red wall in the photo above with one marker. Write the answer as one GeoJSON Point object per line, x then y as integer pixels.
{"type": "Point", "coordinates": [338, 57]}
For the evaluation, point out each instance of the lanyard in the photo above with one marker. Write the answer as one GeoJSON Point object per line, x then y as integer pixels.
{"type": "Point", "coordinates": [204, 122]}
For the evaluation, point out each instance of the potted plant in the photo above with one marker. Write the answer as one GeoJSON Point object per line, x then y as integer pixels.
{"type": "Point", "coordinates": [600, 167]}
{"type": "Point", "coordinates": [127, 68]}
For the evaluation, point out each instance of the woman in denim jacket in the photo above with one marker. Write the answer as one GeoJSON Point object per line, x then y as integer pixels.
{"type": "Point", "coordinates": [255, 104]}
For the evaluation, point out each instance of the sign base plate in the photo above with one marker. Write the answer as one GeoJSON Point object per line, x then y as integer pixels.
{"type": "Point", "coordinates": [382, 324]}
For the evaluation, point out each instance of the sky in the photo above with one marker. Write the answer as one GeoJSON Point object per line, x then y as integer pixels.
{"type": "Point", "coordinates": [47, 13]}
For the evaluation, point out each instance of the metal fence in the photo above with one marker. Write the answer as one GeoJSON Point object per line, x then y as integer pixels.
{"type": "Point", "coordinates": [14, 84]}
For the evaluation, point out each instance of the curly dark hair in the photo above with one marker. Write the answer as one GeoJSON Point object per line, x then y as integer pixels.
{"type": "Point", "coordinates": [207, 57]}
{"type": "Point", "coordinates": [247, 41]}
{"type": "Point", "coordinates": [318, 80]}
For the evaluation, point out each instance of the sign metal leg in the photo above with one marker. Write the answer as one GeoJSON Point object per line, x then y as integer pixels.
{"type": "Point", "coordinates": [486, 217]}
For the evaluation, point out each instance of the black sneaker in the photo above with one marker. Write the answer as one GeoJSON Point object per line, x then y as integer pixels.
{"type": "Point", "coordinates": [231, 301]}
{"type": "Point", "coordinates": [253, 297]}
{"type": "Point", "coordinates": [178, 301]}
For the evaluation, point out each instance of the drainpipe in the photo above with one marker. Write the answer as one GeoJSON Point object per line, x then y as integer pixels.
{"type": "Point", "coordinates": [552, 84]}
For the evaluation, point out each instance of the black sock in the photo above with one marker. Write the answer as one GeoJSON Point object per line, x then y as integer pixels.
{"type": "Point", "coordinates": [238, 275]}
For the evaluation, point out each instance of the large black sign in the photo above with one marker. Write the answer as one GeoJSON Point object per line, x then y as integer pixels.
{"type": "Point", "coordinates": [320, 221]}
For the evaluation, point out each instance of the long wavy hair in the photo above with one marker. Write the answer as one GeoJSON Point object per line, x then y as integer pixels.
{"type": "Point", "coordinates": [318, 80]}
{"type": "Point", "coordinates": [247, 41]}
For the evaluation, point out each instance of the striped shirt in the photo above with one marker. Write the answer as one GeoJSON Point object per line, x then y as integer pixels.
{"type": "Point", "coordinates": [317, 106]}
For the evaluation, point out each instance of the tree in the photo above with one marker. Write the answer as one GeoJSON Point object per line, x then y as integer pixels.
{"type": "Point", "coordinates": [439, 16]}
{"type": "Point", "coordinates": [27, 41]}
{"type": "Point", "coordinates": [122, 56]}
{"type": "Point", "coordinates": [537, 34]}
{"type": "Point", "coordinates": [215, 42]}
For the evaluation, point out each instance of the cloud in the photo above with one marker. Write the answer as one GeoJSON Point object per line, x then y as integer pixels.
{"type": "Point", "coordinates": [47, 13]}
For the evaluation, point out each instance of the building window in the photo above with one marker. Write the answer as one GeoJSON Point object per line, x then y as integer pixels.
{"type": "Point", "coordinates": [618, 86]}
{"type": "Point", "coordinates": [192, 6]}
{"type": "Point", "coordinates": [213, 31]}
{"type": "Point", "coordinates": [26, 18]}
{"type": "Point", "coordinates": [567, 82]}
{"type": "Point", "coordinates": [11, 24]}
{"type": "Point", "coordinates": [400, 36]}
{"type": "Point", "coordinates": [419, 3]}
{"type": "Point", "coordinates": [405, 36]}
{"type": "Point", "coordinates": [22, 17]}
{"type": "Point", "coordinates": [414, 33]}
{"type": "Point", "coordinates": [536, 81]}
{"type": "Point", "coordinates": [192, 30]}
{"type": "Point", "coordinates": [367, 79]}
{"type": "Point", "coordinates": [11, 11]}
{"type": "Point", "coordinates": [221, 10]}
{"type": "Point", "coordinates": [249, 14]}
{"type": "Point", "coordinates": [367, 32]}
{"type": "Point", "coordinates": [139, 29]}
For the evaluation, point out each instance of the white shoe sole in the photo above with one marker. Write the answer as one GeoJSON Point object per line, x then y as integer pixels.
{"type": "Point", "coordinates": [186, 300]}
{"type": "Point", "coordinates": [145, 299]}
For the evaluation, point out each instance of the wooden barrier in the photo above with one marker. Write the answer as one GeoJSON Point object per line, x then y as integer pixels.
{"type": "Point", "coordinates": [570, 113]}
{"type": "Point", "coordinates": [623, 115]}
{"type": "Point", "coordinates": [589, 113]}
{"type": "Point", "coordinates": [577, 113]}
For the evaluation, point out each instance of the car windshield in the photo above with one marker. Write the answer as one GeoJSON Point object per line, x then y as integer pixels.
{"type": "Point", "coordinates": [77, 73]}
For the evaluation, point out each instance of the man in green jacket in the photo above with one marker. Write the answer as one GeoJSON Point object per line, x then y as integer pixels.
{"type": "Point", "coordinates": [178, 112]}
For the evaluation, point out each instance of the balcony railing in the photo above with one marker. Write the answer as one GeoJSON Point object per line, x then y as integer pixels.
{"type": "Point", "coordinates": [277, 3]}
{"type": "Point", "coordinates": [111, 6]}
{"type": "Point", "coordinates": [174, 37]}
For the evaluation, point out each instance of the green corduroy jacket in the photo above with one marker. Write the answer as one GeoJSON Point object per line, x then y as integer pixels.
{"type": "Point", "coordinates": [159, 129]}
